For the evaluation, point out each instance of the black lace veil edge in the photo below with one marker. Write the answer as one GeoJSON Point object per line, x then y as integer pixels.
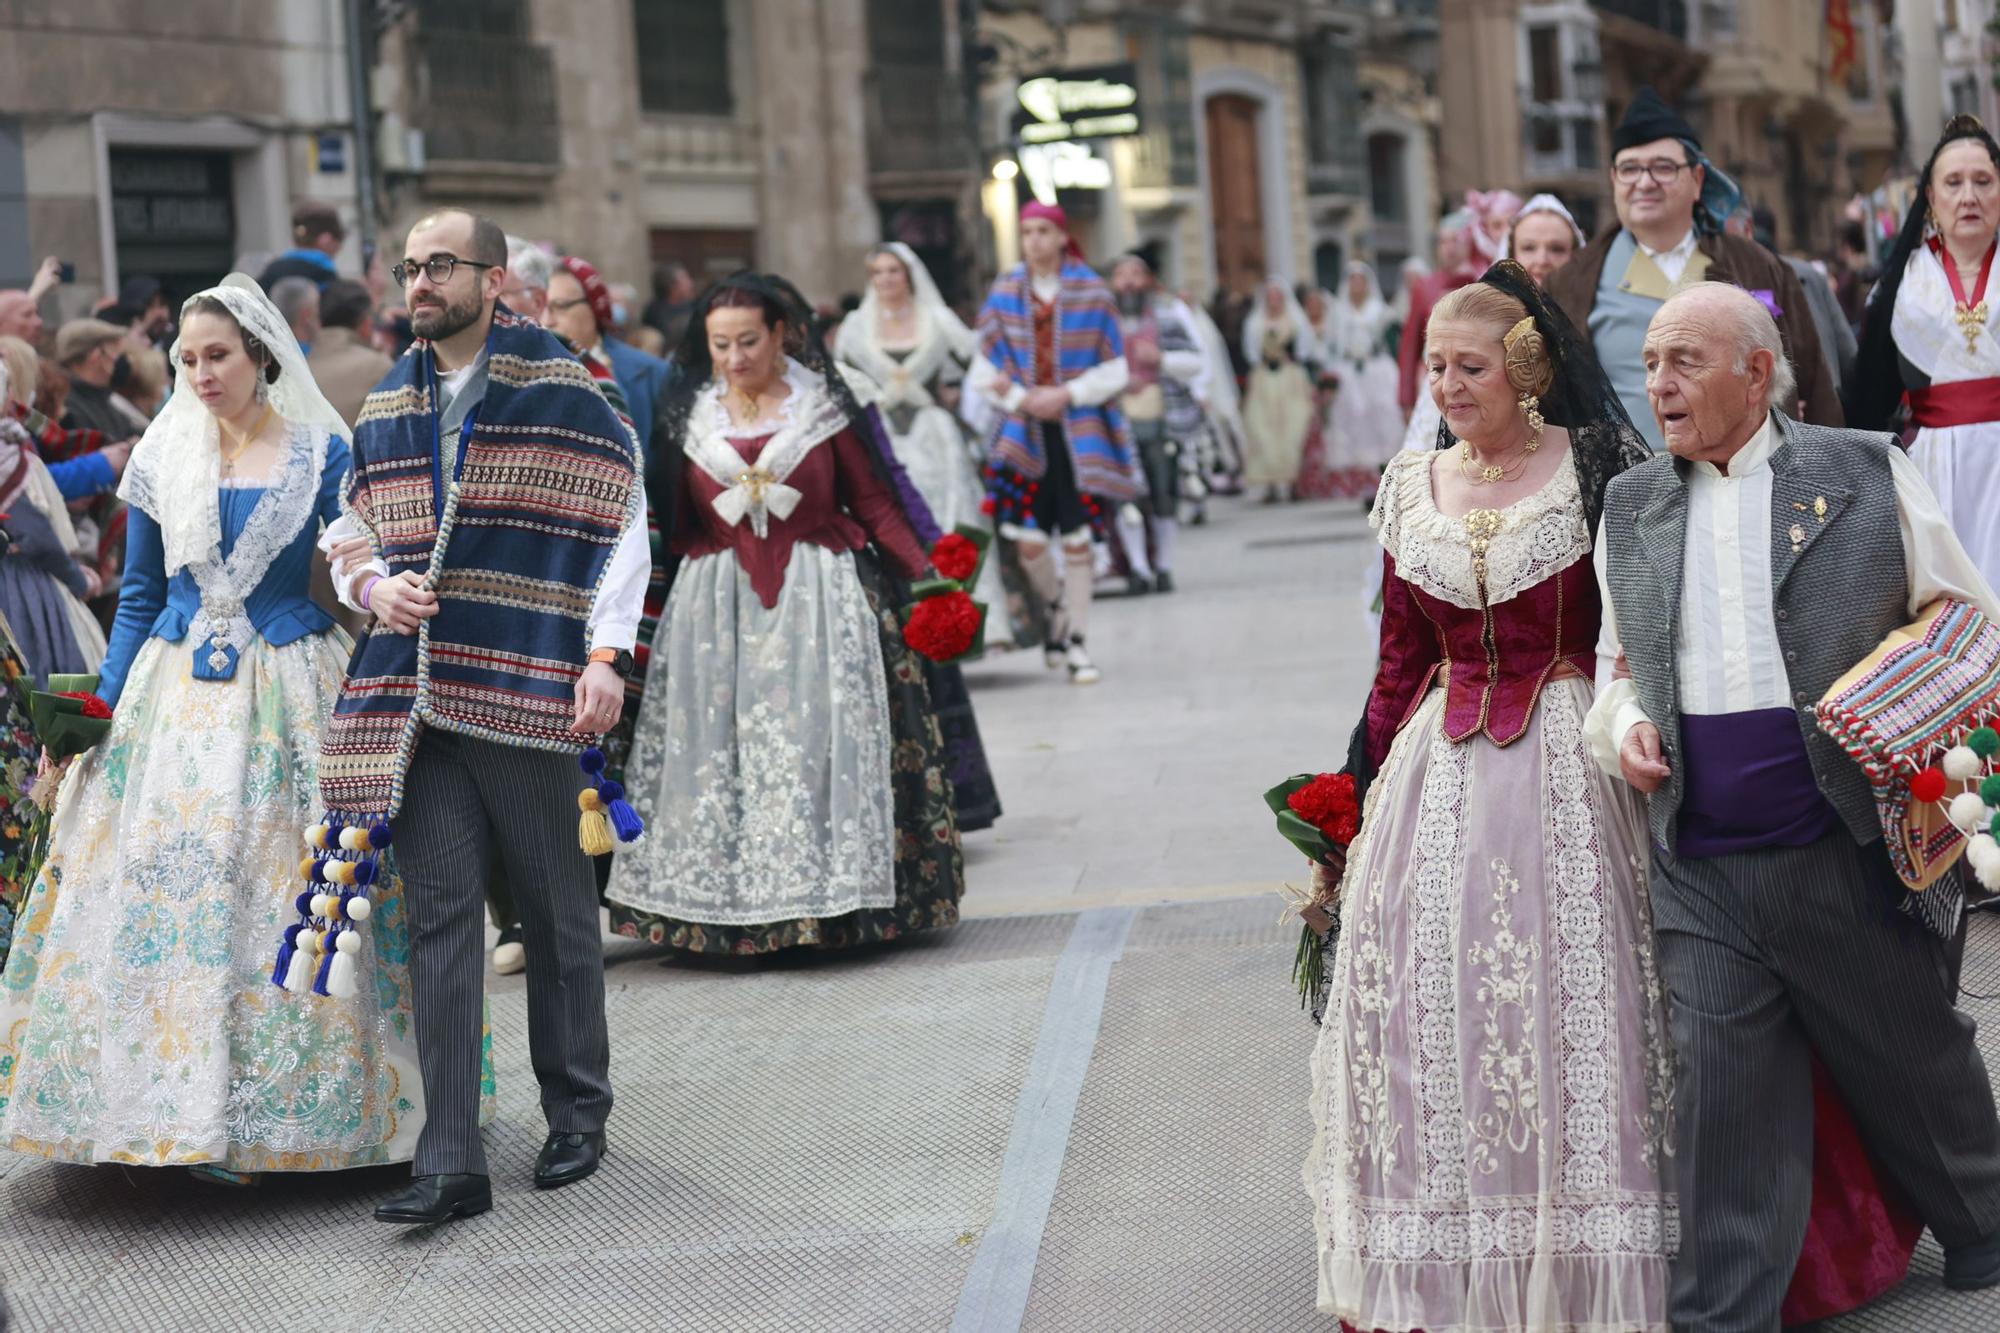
{"type": "Point", "coordinates": [1873, 393]}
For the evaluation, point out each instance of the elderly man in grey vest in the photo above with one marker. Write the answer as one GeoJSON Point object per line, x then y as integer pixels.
{"type": "Point", "coordinates": [1742, 574]}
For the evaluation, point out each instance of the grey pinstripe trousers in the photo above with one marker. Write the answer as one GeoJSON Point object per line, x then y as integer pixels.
{"type": "Point", "coordinates": [465, 800]}
{"type": "Point", "coordinates": [1765, 954]}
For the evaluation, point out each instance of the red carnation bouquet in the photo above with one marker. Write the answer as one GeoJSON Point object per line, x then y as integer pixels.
{"type": "Point", "coordinates": [957, 557]}
{"type": "Point", "coordinates": [1320, 814]}
{"type": "Point", "coordinates": [946, 624]}
{"type": "Point", "coordinates": [69, 717]}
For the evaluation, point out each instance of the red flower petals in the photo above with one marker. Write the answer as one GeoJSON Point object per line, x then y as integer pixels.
{"type": "Point", "coordinates": [1328, 804]}
{"type": "Point", "coordinates": [92, 705]}
{"type": "Point", "coordinates": [955, 556]}
{"type": "Point", "coordinates": [943, 628]}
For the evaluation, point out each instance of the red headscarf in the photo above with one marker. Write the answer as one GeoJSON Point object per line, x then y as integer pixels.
{"type": "Point", "coordinates": [594, 291]}
{"type": "Point", "coordinates": [1053, 213]}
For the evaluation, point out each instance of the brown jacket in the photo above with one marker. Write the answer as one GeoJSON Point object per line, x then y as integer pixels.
{"type": "Point", "coordinates": [346, 369]}
{"type": "Point", "coordinates": [1735, 260]}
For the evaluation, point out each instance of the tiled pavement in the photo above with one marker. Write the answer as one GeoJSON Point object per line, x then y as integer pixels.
{"type": "Point", "coordinates": [863, 1142]}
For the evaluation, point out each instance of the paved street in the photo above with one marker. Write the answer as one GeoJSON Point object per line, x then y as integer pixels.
{"type": "Point", "coordinates": [1083, 1109]}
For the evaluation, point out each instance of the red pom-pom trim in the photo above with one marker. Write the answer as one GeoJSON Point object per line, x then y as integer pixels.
{"type": "Point", "coordinates": [942, 628]}
{"type": "Point", "coordinates": [1928, 785]}
{"type": "Point", "coordinates": [955, 556]}
{"type": "Point", "coordinates": [1328, 804]}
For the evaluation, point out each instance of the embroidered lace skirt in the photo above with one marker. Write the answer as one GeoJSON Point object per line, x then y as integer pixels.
{"type": "Point", "coordinates": [1491, 1087]}
{"type": "Point", "coordinates": [138, 1022]}
{"type": "Point", "coordinates": [761, 761]}
{"type": "Point", "coordinates": [928, 867]}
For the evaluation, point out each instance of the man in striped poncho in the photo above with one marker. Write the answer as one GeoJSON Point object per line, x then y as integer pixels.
{"type": "Point", "coordinates": [1058, 455]}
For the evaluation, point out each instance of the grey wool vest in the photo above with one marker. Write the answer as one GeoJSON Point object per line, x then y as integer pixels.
{"type": "Point", "coordinates": [1834, 597]}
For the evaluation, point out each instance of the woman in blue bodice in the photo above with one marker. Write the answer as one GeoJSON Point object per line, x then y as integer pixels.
{"type": "Point", "coordinates": [139, 1022]}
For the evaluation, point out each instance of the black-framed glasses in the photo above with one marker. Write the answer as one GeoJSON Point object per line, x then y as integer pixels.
{"type": "Point", "coordinates": [1663, 171]}
{"type": "Point", "coordinates": [438, 268]}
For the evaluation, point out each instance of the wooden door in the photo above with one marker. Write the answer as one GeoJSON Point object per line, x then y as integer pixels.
{"type": "Point", "coordinates": [1235, 191]}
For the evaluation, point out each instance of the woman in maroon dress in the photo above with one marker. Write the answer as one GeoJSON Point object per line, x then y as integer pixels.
{"type": "Point", "coordinates": [787, 760]}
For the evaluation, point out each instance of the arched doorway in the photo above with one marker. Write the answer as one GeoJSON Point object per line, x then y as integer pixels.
{"type": "Point", "coordinates": [1236, 190]}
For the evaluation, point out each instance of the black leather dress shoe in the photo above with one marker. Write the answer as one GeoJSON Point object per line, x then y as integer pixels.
{"type": "Point", "coordinates": [568, 1158]}
{"type": "Point", "coordinates": [1973, 1267]}
{"type": "Point", "coordinates": [428, 1200]}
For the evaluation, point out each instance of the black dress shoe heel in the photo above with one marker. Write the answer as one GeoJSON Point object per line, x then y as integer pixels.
{"type": "Point", "coordinates": [568, 1158]}
{"type": "Point", "coordinates": [429, 1200]}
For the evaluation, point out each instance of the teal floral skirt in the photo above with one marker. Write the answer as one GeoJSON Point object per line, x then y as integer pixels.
{"type": "Point", "coordinates": [138, 1022]}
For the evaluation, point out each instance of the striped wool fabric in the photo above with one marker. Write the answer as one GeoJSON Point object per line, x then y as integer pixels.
{"type": "Point", "coordinates": [548, 481]}
{"type": "Point", "coordinates": [1087, 335]}
{"type": "Point", "coordinates": [1923, 697]}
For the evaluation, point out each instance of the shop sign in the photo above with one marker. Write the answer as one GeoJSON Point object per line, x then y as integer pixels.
{"type": "Point", "coordinates": [1094, 102]}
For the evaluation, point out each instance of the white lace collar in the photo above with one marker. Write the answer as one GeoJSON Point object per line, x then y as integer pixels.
{"type": "Point", "coordinates": [1539, 535]}
{"type": "Point", "coordinates": [807, 417]}
{"type": "Point", "coordinates": [284, 509]}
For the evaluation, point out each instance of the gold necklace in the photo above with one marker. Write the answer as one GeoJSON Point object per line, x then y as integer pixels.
{"type": "Point", "coordinates": [229, 456]}
{"type": "Point", "coordinates": [750, 409]}
{"type": "Point", "coordinates": [1490, 473]}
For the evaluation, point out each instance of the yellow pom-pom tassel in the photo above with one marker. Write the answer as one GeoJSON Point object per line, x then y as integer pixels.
{"type": "Point", "coordinates": [593, 832]}
{"type": "Point", "coordinates": [588, 800]}
{"type": "Point", "coordinates": [306, 869]}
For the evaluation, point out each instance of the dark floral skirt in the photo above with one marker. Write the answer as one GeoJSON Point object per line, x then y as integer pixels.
{"type": "Point", "coordinates": [23, 824]}
{"type": "Point", "coordinates": [930, 869]}
{"type": "Point", "coordinates": [974, 797]}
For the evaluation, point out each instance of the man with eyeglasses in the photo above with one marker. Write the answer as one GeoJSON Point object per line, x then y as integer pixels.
{"type": "Point", "coordinates": [1672, 205]}
{"type": "Point", "coordinates": [500, 494]}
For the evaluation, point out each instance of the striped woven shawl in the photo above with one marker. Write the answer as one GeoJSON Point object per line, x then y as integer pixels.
{"type": "Point", "coordinates": [1087, 335]}
{"type": "Point", "coordinates": [548, 481]}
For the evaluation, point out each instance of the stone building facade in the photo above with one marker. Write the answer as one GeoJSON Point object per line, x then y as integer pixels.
{"type": "Point", "coordinates": [1755, 80]}
{"type": "Point", "coordinates": [1279, 138]}
{"type": "Point", "coordinates": [171, 140]}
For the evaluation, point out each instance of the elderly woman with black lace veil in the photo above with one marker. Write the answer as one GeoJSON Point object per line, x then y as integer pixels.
{"type": "Point", "coordinates": [788, 762]}
{"type": "Point", "coordinates": [139, 1022]}
{"type": "Point", "coordinates": [1929, 334]}
{"type": "Point", "coordinates": [1490, 1086]}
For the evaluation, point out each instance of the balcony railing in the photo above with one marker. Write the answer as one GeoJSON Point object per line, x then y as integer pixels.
{"type": "Point", "coordinates": [1159, 163]}
{"type": "Point", "coordinates": [699, 144]}
{"type": "Point", "coordinates": [1668, 16]}
{"type": "Point", "coordinates": [917, 120]}
{"type": "Point", "coordinates": [1346, 174]}
{"type": "Point", "coordinates": [480, 98]}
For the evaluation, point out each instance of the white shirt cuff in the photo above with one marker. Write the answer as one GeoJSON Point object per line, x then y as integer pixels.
{"type": "Point", "coordinates": [1613, 713]}
{"type": "Point", "coordinates": [621, 598]}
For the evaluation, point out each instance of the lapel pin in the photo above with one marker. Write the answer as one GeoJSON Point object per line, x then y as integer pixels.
{"type": "Point", "coordinates": [1798, 535]}
{"type": "Point", "coordinates": [1819, 508]}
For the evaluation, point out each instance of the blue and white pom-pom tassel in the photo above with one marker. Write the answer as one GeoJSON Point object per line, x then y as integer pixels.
{"type": "Point", "coordinates": [604, 809]}
{"type": "Point", "coordinates": [1975, 809]}
{"type": "Point", "coordinates": [318, 954]}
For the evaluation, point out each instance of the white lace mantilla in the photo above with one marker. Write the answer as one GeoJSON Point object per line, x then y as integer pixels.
{"type": "Point", "coordinates": [226, 585]}
{"type": "Point", "coordinates": [1539, 535]}
{"type": "Point", "coordinates": [1928, 335]}
{"type": "Point", "coordinates": [808, 417]}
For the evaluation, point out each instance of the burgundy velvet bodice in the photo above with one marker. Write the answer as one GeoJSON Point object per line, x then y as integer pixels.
{"type": "Point", "coordinates": [1495, 660]}
{"type": "Point", "coordinates": [845, 504]}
